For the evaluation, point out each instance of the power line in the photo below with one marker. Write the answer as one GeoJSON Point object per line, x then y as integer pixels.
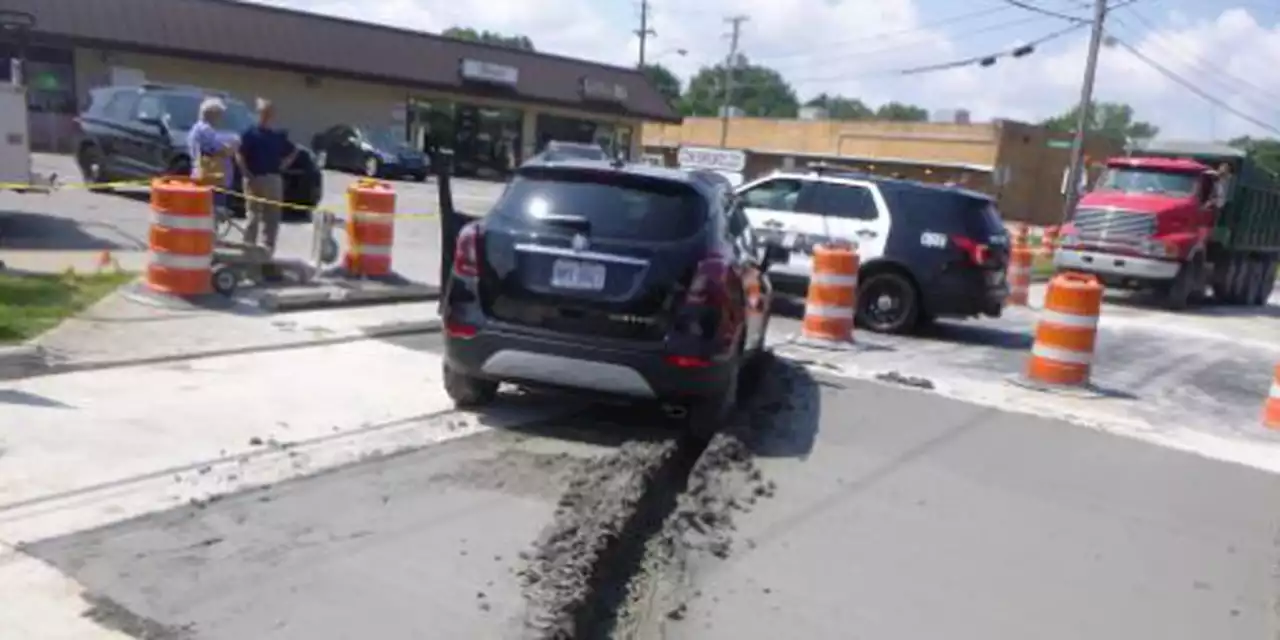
{"type": "Point", "coordinates": [990, 59]}
{"type": "Point", "coordinates": [816, 49]}
{"type": "Point", "coordinates": [1217, 74]}
{"type": "Point", "coordinates": [828, 59]}
{"type": "Point", "coordinates": [1026, 6]}
{"type": "Point", "coordinates": [1189, 86]}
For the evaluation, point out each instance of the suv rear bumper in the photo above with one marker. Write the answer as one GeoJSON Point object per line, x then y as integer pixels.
{"type": "Point", "coordinates": [570, 363]}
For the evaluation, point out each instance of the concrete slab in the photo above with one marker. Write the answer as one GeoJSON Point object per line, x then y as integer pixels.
{"type": "Point", "coordinates": [81, 449]}
{"type": "Point", "coordinates": [914, 516]}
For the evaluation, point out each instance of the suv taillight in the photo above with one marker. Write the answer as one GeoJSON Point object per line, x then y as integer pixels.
{"type": "Point", "coordinates": [708, 284]}
{"type": "Point", "coordinates": [979, 255]}
{"type": "Point", "coordinates": [466, 260]}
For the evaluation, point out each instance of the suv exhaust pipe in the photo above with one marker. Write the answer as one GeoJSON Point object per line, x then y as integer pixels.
{"type": "Point", "coordinates": [675, 411]}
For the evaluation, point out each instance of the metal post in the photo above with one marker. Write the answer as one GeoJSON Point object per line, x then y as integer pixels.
{"type": "Point", "coordinates": [451, 221]}
{"type": "Point", "coordinates": [1086, 110]}
{"type": "Point", "coordinates": [730, 62]}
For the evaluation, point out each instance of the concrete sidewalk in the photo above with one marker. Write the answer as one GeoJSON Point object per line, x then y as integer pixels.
{"type": "Point", "coordinates": [128, 327]}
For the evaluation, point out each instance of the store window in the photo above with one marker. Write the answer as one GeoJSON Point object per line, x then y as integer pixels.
{"type": "Point", "coordinates": [483, 141]}
{"type": "Point", "coordinates": [615, 139]}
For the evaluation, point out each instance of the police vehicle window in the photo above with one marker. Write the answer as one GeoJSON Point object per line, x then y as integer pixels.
{"type": "Point", "coordinates": [842, 201]}
{"type": "Point", "coordinates": [149, 107]}
{"type": "Point", "coordinates": [120, 105]}
{"type": "Point", "coordinates": [615, 206]}
{"type": "Point", "coordinates": [779, 195]}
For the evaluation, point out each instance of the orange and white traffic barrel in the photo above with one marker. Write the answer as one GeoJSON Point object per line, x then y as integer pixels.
{"type": "Point", "coordinates": [181, 238]}
{"type": "Point", "coordinates": [1048, 241]}
{"type": "Point", "coordinates": [1066, 332]}
{"type": "Point", "coordinates": [832, 301]}
{"type": "Point", "coordinates": [1271, 409]}
{"type": "Point", "coordinates": [1019, 273]}
{"type": "Point", "coordinates": [371, 210]}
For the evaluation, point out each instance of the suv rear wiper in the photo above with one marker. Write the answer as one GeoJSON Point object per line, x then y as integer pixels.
{"type": "Point", "coordinates": [576, 222]}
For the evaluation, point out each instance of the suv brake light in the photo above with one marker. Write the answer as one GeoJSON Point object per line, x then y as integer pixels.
{"type": "Point", "coordinates": [466, 260]}
{"type": "Point", "coordinates": [708, 280]}
{"type": "Point", "coordinates": [978, 254]}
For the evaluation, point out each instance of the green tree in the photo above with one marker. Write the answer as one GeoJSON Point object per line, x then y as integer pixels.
{"type": "Point", "coordinates": [1266, 151]}
{"type": "Point", "coordinates": [900, 112]}
{"type": "Point", "coordinates": [664, 81]}
{"type": "Point", "coordinates": [1113, 119]}
{"type": "Point", "coordinates": [758, 91]}
{"type": "Point", "coordinates": [489, 37]}
{"type": "Point", "coordinates": [841, 108]}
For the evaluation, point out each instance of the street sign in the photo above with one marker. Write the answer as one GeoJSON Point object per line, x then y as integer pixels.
{"type": "Point", "coordinates": [1059, 144]}
{"type": "Point", "coordinates": [732, 160]}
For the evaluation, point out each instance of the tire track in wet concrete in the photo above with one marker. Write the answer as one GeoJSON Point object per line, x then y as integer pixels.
{"type": "Point", "coordinates": [610, 564]}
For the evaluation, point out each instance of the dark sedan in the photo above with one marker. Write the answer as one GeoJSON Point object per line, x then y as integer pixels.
{"type": "Point", "coordinates": [370, 151]}
{"type": "Point", "coordinates": [136, 132]}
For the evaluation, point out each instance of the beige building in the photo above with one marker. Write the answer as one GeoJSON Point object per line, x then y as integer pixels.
{"type": "Point", "coordinates": [492, 105]}
{"type": "Point", "coordinates": [1023, 165]}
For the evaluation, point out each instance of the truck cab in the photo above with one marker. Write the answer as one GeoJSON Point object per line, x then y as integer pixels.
{"type": "Point", "coordinates": [1179, 218]}
{"type": "Point", "coordinates": [1141, 220]}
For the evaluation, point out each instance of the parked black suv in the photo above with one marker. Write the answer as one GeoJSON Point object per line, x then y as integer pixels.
{"type": "Point", "coordinates": [136, 132]}
{"type": "Point", "coordinates": [625, 280]}
{"type": "Point", "coordinates": [374, 152]}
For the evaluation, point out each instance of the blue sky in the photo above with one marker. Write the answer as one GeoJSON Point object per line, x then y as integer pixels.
{"type": "Point", "coordinates": [1228, 49]}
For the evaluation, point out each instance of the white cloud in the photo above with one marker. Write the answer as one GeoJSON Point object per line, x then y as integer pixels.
{"type": "Point", "coordinates": [838, 46]}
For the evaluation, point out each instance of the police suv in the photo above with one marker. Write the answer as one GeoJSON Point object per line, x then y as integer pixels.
{"type": "Point", "coordinates": [926, 250]}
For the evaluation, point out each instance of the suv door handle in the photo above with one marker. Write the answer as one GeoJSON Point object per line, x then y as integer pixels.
{"type": "Point", "coordinates": [866, 233]}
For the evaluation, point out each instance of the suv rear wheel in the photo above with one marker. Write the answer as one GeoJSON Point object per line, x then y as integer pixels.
{"type": "Point", "coordinates": [888, 303]}
{"type": "Point", "coordinates": [468, 391]}
{"type": "Point", "coordinates": [708, 415]}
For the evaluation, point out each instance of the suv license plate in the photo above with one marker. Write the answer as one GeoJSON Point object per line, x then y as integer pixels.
{"type": "Point", "coordinates": [579, 276]}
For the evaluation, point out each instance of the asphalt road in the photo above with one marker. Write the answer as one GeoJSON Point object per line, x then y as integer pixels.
{"type": "Point", "coordinates": [73, 218]}
{"type": "Point", "coordinates": [833, 508]}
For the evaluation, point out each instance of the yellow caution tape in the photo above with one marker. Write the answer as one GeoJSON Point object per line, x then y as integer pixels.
{"type": "Point", "coordinates": [146, 183]}
{"type": "Point", "coordinates": [58, 184]}
{"type": "Point", "coordinates": [300, 207]}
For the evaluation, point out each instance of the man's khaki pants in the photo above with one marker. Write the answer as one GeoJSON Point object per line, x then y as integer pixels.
{"type": "Point", "coordinates": [263, 216]}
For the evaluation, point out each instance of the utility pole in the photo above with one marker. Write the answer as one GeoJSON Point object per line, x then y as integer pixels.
{"type": "Point", "coordinates": [1086, 110]}
{"type": "Point", "coordinates": [644, 31]}
{"type": "Point", "coordinates": [730, 63]}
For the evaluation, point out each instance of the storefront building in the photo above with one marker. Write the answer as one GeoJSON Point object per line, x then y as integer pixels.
{"type": "Point", "coordinates": [491, 106]}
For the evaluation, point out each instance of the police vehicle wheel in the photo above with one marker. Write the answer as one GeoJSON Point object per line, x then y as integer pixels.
{"type": "Point", "coordinates": [888, 303]}
{"type": "Point", "coordinates": [322, 160]}
{"type": "Point", "coordinates": [372, 167]}
{"type": "Point", "coordinates": [225, 280]}
{"type": "Point", "coordinates": [467, 391]}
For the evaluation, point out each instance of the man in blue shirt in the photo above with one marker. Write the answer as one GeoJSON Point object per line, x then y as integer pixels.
{"type": "Point", "coordinates": [264, 152]}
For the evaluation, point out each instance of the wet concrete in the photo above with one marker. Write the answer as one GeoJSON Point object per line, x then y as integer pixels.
{"type": "Point", "coordinates": [921, 517]}
{"type": "Point", "coordinates": [422, 545]}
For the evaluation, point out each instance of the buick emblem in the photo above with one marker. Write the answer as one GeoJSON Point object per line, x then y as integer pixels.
{"type": "Point", "coordinates": [580, 243]}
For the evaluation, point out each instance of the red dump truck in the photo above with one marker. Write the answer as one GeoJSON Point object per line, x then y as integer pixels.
{"type": "Point", "coordinates": [1180, 219]}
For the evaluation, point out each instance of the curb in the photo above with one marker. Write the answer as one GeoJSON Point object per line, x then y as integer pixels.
{"type": "Point", "coordinates": [38, 365]}
{"type": "Point", "coordinates": [304, 299]}
{"type": "Point", "coordinates": [20, 361]}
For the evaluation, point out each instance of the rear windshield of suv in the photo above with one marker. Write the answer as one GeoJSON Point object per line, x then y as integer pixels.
{"type": "Point", "coordinates": [952, 212]}
{"type": "Point", "coordinates": [184, 110]}
{"type": "Point", "coordinates": [616, 205]}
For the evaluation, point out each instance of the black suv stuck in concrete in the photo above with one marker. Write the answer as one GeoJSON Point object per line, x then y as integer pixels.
{"type": "Point", "coordinates": [621, 280]}
{"type": "Point", "coordinates": [137, 132]}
